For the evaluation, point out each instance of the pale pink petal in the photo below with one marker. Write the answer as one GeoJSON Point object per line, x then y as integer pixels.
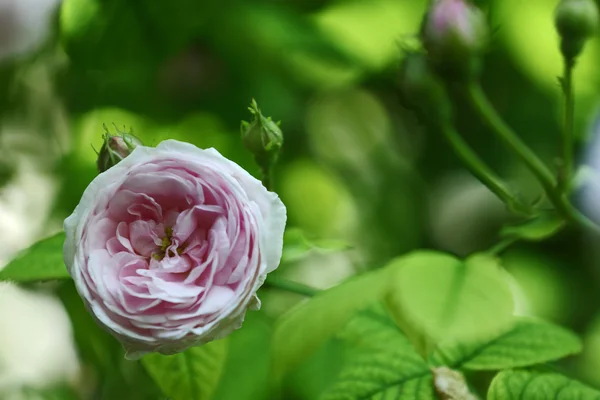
{"type": "Point", "coordinates": [144, 237]}
{"type": "Point", "coordinates": [100, 232]}
{"type": "Point", "coordinates": [200, 217]}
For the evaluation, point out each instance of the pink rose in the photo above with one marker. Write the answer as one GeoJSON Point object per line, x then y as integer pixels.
{"type": "Point", "coordinates": [168, 247]}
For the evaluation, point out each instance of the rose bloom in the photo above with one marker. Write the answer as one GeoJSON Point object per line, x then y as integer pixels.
{"type": "Point", "coordinates": [168, 247]}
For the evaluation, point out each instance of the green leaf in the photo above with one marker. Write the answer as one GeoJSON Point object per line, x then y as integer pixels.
{"type": "Point", "coordinates": [322, 316]}
{"type": "Point", "coordinates": [536, 229]}
{"type": "Point", "coordinates": [315, 375]}
{"type": "Point", "coordinates": [297, 246]}
{"type": "Point", "coordinates": [128, 378]}
{"type": "Point", "coordinates": [104, 356]}
{"type": "Point", "coordinates": [192, 374]}
{"type": "Point", "coordinates": [41, 262]}
{"type": "Point", "coordinates": [372, 328]}
{"type": "Point", "coordinates": [383, 364]}
{"type": "Point", "coordinates": [443, 297]}
{"type": "Point", "coordinates": [517, 385]}
{"type": "Point", "coordinates": [247, 346]}
{"type": "Point", "coordinates": [95, 346]}
{"type": "Point", "coordinates": [527, 343]}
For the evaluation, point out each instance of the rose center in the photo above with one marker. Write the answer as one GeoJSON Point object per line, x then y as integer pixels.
{"type": "Point", "coordinates": [167, 241]}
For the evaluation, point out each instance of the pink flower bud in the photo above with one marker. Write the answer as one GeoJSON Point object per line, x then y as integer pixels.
{"type": "Point", "coordinates": [454, 31]}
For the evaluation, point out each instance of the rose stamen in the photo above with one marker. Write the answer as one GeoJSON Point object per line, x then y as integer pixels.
{"type": "Point", "coordinates": [167, 241]}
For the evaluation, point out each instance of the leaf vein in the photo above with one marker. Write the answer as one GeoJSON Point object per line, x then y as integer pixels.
{"type": "Point", "coordinates": [398, 382]}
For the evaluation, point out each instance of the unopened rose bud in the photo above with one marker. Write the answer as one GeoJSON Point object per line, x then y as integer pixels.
{"type": "Point", "coordinates": [421, 90]}
{"type": "Point", "coordinates": [261, 136]}
{"type": "Point", "coordinates": [115, 148]}
{"type": "Point", "coordinates": [576, 21]}
{"type": "Point", "coordinates": [454, 34]}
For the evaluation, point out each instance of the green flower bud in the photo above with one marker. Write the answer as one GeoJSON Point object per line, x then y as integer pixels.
{"type": "Point", "coordinates": [455, 33]}
{"type": "Point", "coordinates": [261, 136]}
{"type": "Point", "coordinates": [421, 90]}
{"type": "Point", "coordinates": [576, 21]}
{"type": "Point", "coordinates": [115, 148]}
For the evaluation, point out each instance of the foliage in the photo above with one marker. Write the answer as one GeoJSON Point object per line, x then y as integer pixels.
{"type": "Point", "coordinates": [416, 303]}
{"type": "Point", "coordinates": [443, 297]}
{"type": "Point", "coordinates": [42, 261]}
{"type": "Point", "coordinates": [383, 362]}
{"type": "Point", "coordinates": [192, 374]}
{"type": "Point", "coordinates": [523, 384]}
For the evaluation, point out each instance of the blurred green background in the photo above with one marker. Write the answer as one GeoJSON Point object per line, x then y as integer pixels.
{"type": "Point", "coordinates": [356, 166]}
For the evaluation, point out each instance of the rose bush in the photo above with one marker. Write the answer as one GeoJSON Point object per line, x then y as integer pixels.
{"type": "Point", "coordinates": [168, 247]}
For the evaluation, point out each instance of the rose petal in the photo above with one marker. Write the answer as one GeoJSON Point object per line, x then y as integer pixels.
{"type": "Point", "coordinates": [144, 237]}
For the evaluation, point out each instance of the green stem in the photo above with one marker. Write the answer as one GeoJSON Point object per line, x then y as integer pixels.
{"type": "Point", "coordinates": [267, 165]}
{"type": "Point", "coordinates": [290, 286]}
{"type": "Point", "coordinates": [505, 133]}
{"type": "Point", "coordinates": [568, 135]}
{"type": "Point", "coordinates": [528, 157]}
{"type": "Point", "coordinates": [480, 170]}
{"type": "Point", "coordinates": [502, 245]}
{"type": "Point", "coordinates": [267, 178]}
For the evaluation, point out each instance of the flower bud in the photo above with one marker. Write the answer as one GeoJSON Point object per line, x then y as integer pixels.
{"type": "Point", "coordinates": [115, 148]}
{"type": "Point", "coordinates": [454, 34]}
{"type": "Point", "coordinates": [421, 90]}
{"type": "Point", "coordinates": [576, 21]}
{"type": "Point", "coordinates": [262, 136]}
